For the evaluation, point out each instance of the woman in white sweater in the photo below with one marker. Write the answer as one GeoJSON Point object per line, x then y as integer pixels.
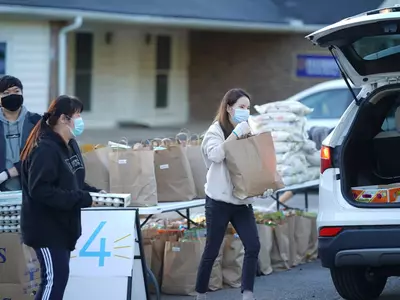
{"type": "Point", "coordinates": [221, 206]}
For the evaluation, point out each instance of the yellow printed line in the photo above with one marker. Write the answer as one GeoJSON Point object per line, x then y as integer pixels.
{"type": "Point", "coordinates": [120, 256]}
{"type": "Point", "coordinates": [116, 241]}
{"type": "Point", "coordinates": [120, 247]}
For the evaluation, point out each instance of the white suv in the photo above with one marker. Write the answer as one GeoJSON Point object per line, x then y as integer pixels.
{"type": "Point", "coordinates": [360, 242]}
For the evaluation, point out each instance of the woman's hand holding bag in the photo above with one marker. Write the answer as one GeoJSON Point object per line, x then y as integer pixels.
{"type": "Point", "coordinates": [242, 129]}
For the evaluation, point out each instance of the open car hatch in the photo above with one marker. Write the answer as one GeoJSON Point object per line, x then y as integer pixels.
{"type": "Point", "coordinates": [366, 46]}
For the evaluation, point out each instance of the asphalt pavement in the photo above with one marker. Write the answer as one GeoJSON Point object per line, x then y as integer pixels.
{"type": "Point", "coordinates": [305, 282]}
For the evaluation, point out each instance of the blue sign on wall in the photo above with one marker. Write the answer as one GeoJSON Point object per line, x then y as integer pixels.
{"type": "Point", "coordinates": [317, 66]}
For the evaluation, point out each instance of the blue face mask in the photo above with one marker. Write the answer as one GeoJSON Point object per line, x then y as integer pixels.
{"type": "Point", "coordinates": [79, 126]}
{"type": "Point", "coordinates": [241, 115]}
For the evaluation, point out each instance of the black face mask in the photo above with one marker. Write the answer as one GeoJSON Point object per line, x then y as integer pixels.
{"type": "Point", "coordinates": [12, 102]}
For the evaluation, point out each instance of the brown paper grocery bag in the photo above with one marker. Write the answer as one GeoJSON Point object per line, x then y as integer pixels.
{"type": "Point", "coordinates": [232, 261]}
{"type": "Point", "coordinates": [97, 168]}
{"type": "Point", "coordinates": [132, 172]}
{"type": "Point", "coordinates": [198, 167]}
{"type": "Point", "coordinates": [181, 261]}
{"type": "Point", "coordinates": [174, 175]}
{"type": "Point", "coordinates": [302, 238]}
{"type": "Point", "coordinates": [252, 165]}
{"type": "Point", "coordinates": [148, 249]}
{"type": "Point", "coordinates": [148, 235]}
{"type": "Point", "coordinates": [312, 251]}
{"type": "Point", "coordinates": [157, 255]}
{"type": "Point", "coordinates": [266, 235]}
{"type": "Point", "coordinates": [216, 279]}
{"type": "Point", "coordinates": [292, 242]}
{"type": "Point", "coordinates": [280, 253]}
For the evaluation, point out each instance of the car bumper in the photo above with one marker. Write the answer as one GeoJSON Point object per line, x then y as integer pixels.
{"type": "Point", "coordinates": [373, 246]}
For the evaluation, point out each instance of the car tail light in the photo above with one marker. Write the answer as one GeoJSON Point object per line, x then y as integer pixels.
{"type": "Point", "coordinates": [326, 159]}
{"type": "Point", "coordinates": [330, 231]}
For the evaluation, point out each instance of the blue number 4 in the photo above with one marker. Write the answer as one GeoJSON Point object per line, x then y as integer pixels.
{"type": "Point", "coordinates": [102, 253]}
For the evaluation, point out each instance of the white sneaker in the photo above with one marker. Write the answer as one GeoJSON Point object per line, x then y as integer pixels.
{"type": "Point", "coordinates": [201, 297]}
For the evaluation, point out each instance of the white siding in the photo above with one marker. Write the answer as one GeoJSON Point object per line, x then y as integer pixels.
{"type": "Point", "coordinates": [28, 58]}
{"type": "Point", "coordinates": [123, 82]}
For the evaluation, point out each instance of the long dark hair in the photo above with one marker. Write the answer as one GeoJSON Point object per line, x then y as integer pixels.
{"type": "Point", "coordinates": [63, 105]}
{"type": "Point", "coordinates": [222, 117]}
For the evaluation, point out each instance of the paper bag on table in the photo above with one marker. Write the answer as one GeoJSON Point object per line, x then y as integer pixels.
{"type": "Point", "coordinates": [174, 175]}
{"type": "Point", "coordinates": [252, 165]}
{"type": "Point", "coordinates": [132, 172]}
{"type": "Point", "coordinates": [198, 167]}
{"type": "Point", "coordinates": [266, 236]}
{"type": "Point", "coordinates": [232, 261]}
{"type": "Point", "coordinates": [97, 168]}
{"type": "Point", "coordinates": [181, 261]}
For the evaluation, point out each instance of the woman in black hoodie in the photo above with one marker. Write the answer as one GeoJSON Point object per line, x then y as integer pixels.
{"type": "Point", "coordinates": [54, 192]}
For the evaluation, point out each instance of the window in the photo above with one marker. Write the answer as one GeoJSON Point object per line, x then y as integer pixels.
{"type": "Point", "coordinates": [371, 48]}
{"type": "Point", "coordinates": [83, 68]}
{"type": "Point", "coordinates": [329, 104]}
{"type": "Point", "coordinates": [376, 47]}
{"type": "Point", "coordinates": [163, 66]}
{"type": "Point", "coordinates": [3, 50]}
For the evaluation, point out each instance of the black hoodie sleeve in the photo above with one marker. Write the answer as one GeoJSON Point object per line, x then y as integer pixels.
{"type": "Point", "coordinates": [17, 165]}
{"type": "Point", "coordinates": [89, 188]}
{"type": "Point", "coordinates": [42, 176]}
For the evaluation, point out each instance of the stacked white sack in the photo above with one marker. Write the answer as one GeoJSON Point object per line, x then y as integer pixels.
{"type": "Point", "coordinates": [313, 157]}
{"type": "Point", "coordinates": [286, 120]}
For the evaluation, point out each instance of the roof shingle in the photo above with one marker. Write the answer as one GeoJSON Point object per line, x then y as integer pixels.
{"type": "Point", "coordinates": [250, 11]}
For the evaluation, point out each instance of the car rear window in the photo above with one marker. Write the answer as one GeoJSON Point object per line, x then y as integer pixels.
{"type": "Point", "coordinates": [370, 48]}
{"type": "Point", "coordinates": [376, 47]}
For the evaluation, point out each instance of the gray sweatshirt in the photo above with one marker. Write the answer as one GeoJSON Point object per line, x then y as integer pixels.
{"type": "Point", "coordinates": [13, 135]}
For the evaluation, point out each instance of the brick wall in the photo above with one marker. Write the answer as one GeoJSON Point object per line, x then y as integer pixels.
{"type": "Point", "coordinates": [263, 64]}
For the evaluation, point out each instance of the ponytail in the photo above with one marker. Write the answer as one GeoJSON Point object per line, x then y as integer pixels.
{"type": "Point", "coordinates": [34, 136]}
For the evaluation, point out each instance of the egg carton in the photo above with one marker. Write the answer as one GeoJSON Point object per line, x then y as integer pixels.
{"type": "Point", "coordinates": [10, 228]}
{"type": "Point", "coordinates": [111, 200]}
{"type": "Point", "coordinates": [14, 197]}
{"type": "Point", "coordinates": [6, 220]}
{"type": "Point", "coordinates": [10, 209]}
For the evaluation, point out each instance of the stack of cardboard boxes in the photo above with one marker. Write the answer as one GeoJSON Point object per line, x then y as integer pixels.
{"type": "Point", "coordinates": [19, 269]}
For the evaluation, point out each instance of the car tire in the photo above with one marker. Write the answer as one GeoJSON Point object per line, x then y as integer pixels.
{"type": "Point", "coordinates": [354, 283]}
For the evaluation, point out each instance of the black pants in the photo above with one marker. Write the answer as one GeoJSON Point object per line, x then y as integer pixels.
{"type": "Point", "coordinates": [54, 264]}
{"type": "Point", "coordinates": [218, 215]}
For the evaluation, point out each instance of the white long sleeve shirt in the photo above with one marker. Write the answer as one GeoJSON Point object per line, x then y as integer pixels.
{"type": "Point", "coordinates": [219, 185]}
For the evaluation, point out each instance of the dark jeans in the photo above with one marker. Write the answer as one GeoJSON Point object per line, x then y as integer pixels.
{"type": "Point", "coordinates": [54, 265]}
{"type": "Point", "coordinates": [218, 215]}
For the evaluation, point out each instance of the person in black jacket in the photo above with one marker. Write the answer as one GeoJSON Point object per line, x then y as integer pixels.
{"type": "Point", "coordinates": [54, 192]}
{"type": "Point", "coordinates": [16, 123]}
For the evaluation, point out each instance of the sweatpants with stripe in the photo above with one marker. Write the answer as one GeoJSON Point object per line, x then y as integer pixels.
{"type": "Point", "coordinates": [54, 264]}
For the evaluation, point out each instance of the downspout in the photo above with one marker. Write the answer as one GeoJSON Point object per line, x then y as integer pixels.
{"type": "Point", "coordinates": [62, 53]}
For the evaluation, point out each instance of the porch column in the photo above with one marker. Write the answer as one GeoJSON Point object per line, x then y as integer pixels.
{"type": "Point", "coordinates": [55, 27]}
